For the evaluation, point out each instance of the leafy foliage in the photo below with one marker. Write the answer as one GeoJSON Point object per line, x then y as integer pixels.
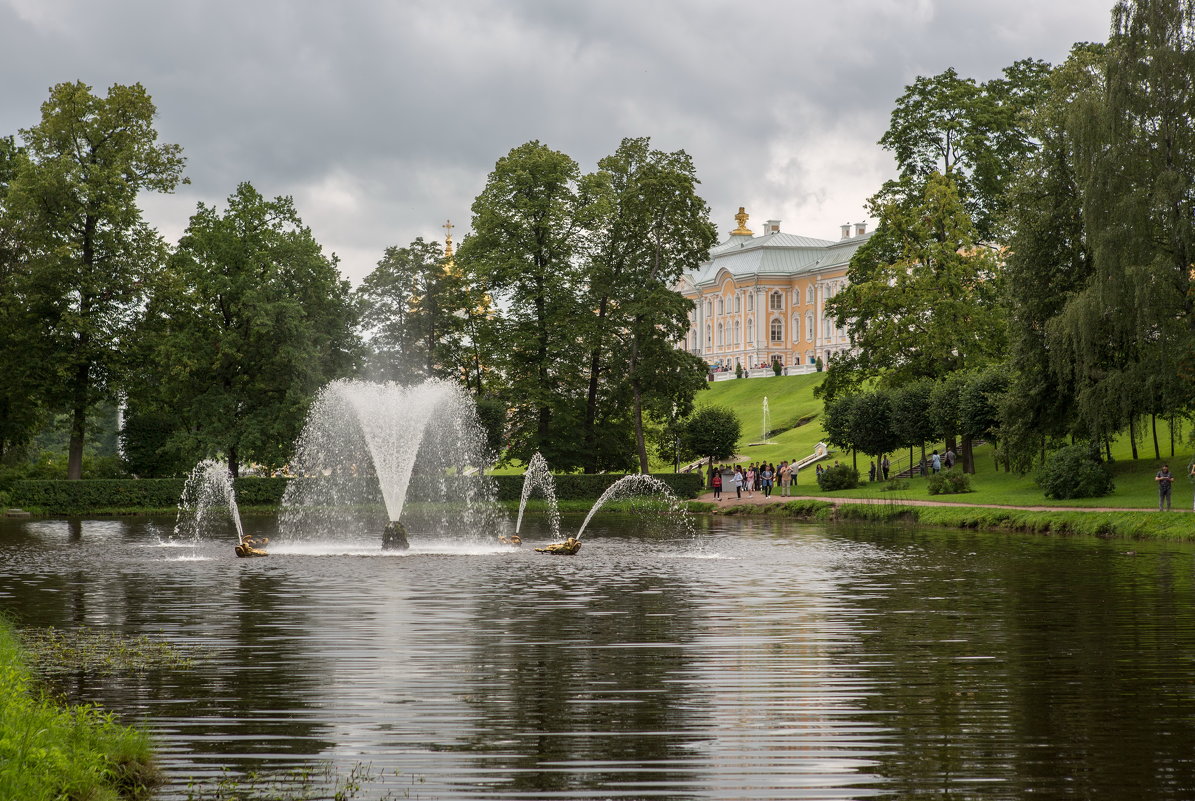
{"type": "Point", "coordinates": [1076, 471]}
{"type": "Point", "coordinates": [948, 482]}
{"type": "Point", "coordinates": [712, 432]}
{"type": "Point", "coordinates": [839, 476]}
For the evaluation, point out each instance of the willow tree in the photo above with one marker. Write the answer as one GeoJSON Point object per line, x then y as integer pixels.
{"type": "Point", "coordinates": [74, 201]}
{"type": "Point", "coordinates": [1126, 340]}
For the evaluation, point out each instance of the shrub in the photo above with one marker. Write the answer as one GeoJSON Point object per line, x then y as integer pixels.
{"type": "Point", "coordinates": [949, 482]}
{"type": "Point", "coordinates": [776, 368]}
{"type": "Point", "coordinates": [838, 477]}
{"type": "Point", "coordinates": [895, 485]}
{"type": "Point", "coordinates": [1075, 471]}
{"type": "Point", "coordinates": [738, 370]}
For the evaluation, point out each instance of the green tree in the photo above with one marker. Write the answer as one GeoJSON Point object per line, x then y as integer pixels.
{"type": "Point", "coordinates": [649, 226]}
{"type": "Point", "coordinates": [912, 422]}
{"type": "Point", "coordinates": [415, 309]}
{"type": "Point", "coordinates": [73, 200]}
{"type": "Point", "coordinates": [923, 297]}
{"type": "Point", "coordinates": [248, 322]}
{"type": "Point", "coordinates": [528, 227]}
{"type": "Point", "coordinates": [1126, 340]}
{"type": "Point", "coordinates": [712, 432]}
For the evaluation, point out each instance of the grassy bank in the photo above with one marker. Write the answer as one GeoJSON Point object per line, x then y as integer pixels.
{"type": "Point", "coordinates": [1173, 526]}
{"type": "Point", "coordinates": [50, 752]}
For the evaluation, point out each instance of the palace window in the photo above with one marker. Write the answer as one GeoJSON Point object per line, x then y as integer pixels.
{"type": "Point", "coordinates": [736, 304]}
{"type": "Point", "coordinates": [796, 328]}
{"type": "Point", "coordinates": [709, 336]}
{"type": "Point", "coordinates": [777, 300]}
{"type": "Point", "coordinates": [751, 302]}
{"type": "Point", "coordinates": [736, 332]}
{"type": "Point", "coordinates": [809, 294]}
{"type": "Point", "coordinates": [750, 330]}
{"type": "Point", "coordinates": [809, 326]}
{"type": "Point", "coordinates": [721, 306]}
{"type": "Point", "coordinates": [721, 338]}
{"type": "Point", "coordinates": [826, 328]}
{"type": "Point", "coordinates": [707, 308]}
{"type": "Point", "coordinates": [777, 331]}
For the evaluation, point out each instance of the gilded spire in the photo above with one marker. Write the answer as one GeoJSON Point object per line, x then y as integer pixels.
{"type": "Point", "coordinates": [448, 226]}
{"type": "Point", "coordinates": [741, 219]}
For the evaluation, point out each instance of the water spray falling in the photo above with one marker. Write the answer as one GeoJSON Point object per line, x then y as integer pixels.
{"type": "Point", "coordinates": [207, 495]}
{"type": "Point", "coordinates": [538, 476]}
{"type": "Point", "coordinates": [767, 421]}
{"type": "Point", "coordinates": [639, 484]}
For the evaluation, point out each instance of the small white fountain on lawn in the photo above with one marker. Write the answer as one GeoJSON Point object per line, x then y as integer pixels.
{"type": "Point", "coordinates": [766, 424]}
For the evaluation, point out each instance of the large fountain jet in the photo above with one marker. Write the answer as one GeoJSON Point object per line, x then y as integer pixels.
{"type": "Point", "coordinates": [363, 440]}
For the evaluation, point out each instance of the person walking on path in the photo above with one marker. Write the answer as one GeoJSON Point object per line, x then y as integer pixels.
{"type": "Point", "coordinates": [1165, 479]}
{"type": "Point", "coordinates": [750, 481]}
{"type": "Point", "coordinates": [936, 463]}
{"type": "Point", "coordinates": [766, 473]}
{"type": "Point", "coordinates": [737, 478]}
{"type": "Point", "coordinates": [785, 477]}
{"type": "Point", "coordinates": [718, 483]}
{"type": "Point", "coordinates": [871, 472]}
{"type": "Point", "coordinates": [885, 466]}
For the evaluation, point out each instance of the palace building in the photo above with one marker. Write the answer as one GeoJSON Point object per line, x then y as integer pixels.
{"type": "Point", "coordinates": [761, 299]}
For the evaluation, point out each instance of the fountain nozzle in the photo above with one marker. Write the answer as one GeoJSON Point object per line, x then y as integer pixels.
{"type": "Point", "coordinates": [394, 537]}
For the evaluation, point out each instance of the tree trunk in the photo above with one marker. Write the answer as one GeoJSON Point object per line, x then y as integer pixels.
{"type": "Point", "coordinates": [1153, 424]}
{"type": "Point", "coordinates": [636, 392]}
{"type": "Point", "coordinates": [1170, 426]}
{"type": "Point", "coordinates": [1108, 449]}
{"type": "Point", "coordinates": [1133, 435]}
{"type": "Point", "coordinates": [595, 367]}
{"type": "Point", "coordinates": [968, 456]}
{"type": "Point", "coordinates": [234, 466]}
{"type": "Point", "coordinates": [74, 460]}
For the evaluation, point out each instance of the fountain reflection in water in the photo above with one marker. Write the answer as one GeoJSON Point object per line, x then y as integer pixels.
{"type": "Point", "coordinates": [537, 476]}
{"type": "Point", "coordinates": [208, 501]}
{"type": "Point", "coordinates": [371, 450]}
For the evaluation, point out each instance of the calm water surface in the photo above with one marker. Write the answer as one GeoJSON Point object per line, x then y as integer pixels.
{"type": "Point", "coordinates": [760, 660]}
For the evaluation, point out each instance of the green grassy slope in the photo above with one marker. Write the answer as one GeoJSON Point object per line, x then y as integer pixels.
{"type": "Point", "coordinates": [790, 399]}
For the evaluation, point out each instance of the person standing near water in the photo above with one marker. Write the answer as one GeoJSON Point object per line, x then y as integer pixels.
{"type": "Point", "coordinates": [765, 479]}
{"type": "Point", "coordinates": [1165, 479]}
{"type": "Point", "coordinates": [718, 483]}
{"type": "Point", "coordinates": [738, 481]}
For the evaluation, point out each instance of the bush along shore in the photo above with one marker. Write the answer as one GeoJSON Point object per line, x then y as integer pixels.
{"type": "Point", "coordinates": [50, 752]}
{"type": "Point", "coordinates": [1175, 526]}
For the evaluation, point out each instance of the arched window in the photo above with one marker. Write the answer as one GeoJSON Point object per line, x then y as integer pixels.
{"type": "Point", "coordinates": [809, 326]}
{"type": "Point", "coordinates": [707, 308]}
{"type": "Point", "coordinates": [796, 328]}
{"type": "Point", "coordinates": [721, 306]}
{"type": "Point", "coordinates": [777, 330]}
{"type": "Point", "coordinates": [708, 336]}
{"type": "Point", "coordinates": [777, 300]}
{"type": "Point", "coordinates": [736, 333]}
{"type": "Point", "coordinates": [736, 304]}
{"type": "Point", "coordinates": [721, 338]}
{"type": "Point", "coordinates": [750, 330]}
{"type": "Point", "coordinates": [751, 301]}
{"type": "Point", "coordinates": [809, 294]}
{"type": "Point", "coordinates": [826, 327]}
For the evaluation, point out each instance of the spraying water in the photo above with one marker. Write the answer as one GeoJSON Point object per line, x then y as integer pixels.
{"type": "Point", "coordinates": [538, 476]}
{"type": "Point", "coordinates": [370, 449]}
{"type": "Point", "coordinates": [766, 426]}
{"type": "Point", "coordinates": [638, 484]}
{"type": "Point", "coordinates": [207, 495]}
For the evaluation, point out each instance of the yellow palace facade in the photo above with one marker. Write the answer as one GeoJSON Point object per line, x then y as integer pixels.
{"type": "Point", "coordinates": [761, 299]}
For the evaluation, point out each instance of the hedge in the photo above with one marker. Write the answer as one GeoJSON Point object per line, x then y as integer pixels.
{"type": "Point", "coordinates": [82, 497]}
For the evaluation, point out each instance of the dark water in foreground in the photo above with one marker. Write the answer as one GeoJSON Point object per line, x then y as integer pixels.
{"type": "Point", "coordinates": [762, 660]}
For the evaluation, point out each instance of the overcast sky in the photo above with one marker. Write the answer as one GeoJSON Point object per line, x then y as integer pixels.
{"type": "Point", "coordinates": [383, 118]}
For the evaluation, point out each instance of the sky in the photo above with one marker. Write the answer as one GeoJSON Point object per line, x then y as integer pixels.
{"type": "Point", "coordinates": [383, 118]}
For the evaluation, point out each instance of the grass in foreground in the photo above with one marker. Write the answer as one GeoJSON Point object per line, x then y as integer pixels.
{"type": "Point", "coordinates": [50, 752]}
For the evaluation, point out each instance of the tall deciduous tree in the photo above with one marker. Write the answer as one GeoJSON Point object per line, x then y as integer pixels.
{"type": "Point", "coordinates": [249, 321]}
{"type": "Point", "coordinates": [650, 226]}
{"type": "Point", "coordinates": [528, 227]}
{"type": "Point", "coordinates": [1126, 339]}
{"type": "Point", "coordinates": [923, 294]}
{"type": "Point", "coordinates": [74, 200]}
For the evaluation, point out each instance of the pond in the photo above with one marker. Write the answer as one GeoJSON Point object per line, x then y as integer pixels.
{"type": "Point", "coordinates": [759, 659]}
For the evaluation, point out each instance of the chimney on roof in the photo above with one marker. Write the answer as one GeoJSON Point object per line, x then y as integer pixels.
{"type": "Point", "coordinates": [772, 227]}
{"type": "Point", "coordinates": [860, 228]}
{"type": "Point", "coordinates": [846, 231]}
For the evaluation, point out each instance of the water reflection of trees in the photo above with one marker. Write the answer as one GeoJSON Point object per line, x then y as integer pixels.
{"type": "Point", "coordinates": [567, 674]}
{"type": "Point", "coordinates": [1052, 667]}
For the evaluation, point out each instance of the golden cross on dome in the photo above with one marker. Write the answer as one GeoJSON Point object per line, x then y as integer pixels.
{"type": "Point", "coordinates": [741, 219]}
{"type": "Point", "coordinates": [448, 226]}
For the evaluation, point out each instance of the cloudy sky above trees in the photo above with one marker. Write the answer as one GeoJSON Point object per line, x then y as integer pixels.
{"type": "Point", "coordinates": [383, 117]}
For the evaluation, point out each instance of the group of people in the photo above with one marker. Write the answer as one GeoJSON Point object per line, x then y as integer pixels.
{"type": "Point", "coordinates": [762, 477]}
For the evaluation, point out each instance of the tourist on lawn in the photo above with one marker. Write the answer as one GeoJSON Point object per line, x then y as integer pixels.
{"type": "Point", "coordinates": [949, 458]}
{"type": "Point", "coordinates": [871, 472]}
{"type": "Point", "coordinates": [751, 480]}
{"type": "Point", "coordinates": [1165, 479]}
{"type": "Point", "coordinates": [785, 473]}
{"type": "Point", "coordinates": [885, 465]}
{"type": "Point", "coordinates": [936, 463]}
